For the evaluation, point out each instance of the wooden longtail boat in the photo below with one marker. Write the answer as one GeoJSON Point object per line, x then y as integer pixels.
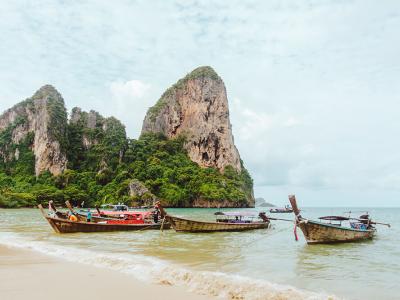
{"type": "Point", "coordinates": [64, 225]}
{"type": "Point", "coordinates": [185, 225]}
{"type": "Point", "coordinates": [281, 210]}
{"type": "Point", "coordinates": [316, 232]}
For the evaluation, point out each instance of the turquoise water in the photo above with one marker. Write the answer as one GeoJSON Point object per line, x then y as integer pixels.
{"type": "Point", "coordinates": [252, 265]}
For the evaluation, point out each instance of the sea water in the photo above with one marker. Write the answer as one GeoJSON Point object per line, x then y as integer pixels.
{"type": "Point", "coordinates": [260, 264]}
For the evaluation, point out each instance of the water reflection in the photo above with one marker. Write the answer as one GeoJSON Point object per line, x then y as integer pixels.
{"type": "Point", "coordinates": [315, 260]}
{"type": "Point", "coordinates": [210, 251]}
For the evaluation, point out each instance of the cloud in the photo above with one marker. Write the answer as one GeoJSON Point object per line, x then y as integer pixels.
{"type": "Point", "coordinates": [264, 139]}
{"type": "Point", "coordinates": [254, 124]}
{"type": "Point", "coordinates": [129, 89]}
{"type": "Point", "coordinates": [389, 181]}
{"type": "Point", "coordinates": [129, 102]}
{"type": "Point", "coordinates": [317, 80]}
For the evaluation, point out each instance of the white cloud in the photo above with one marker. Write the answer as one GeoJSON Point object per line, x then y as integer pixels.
{"type": "Point", "coordinates": [317, 80]}
{"type": "Point", "coordinates": [291, 121]}
{"type": "Point", "coordinates": [129, 102]}
{"type": "Point", "coordinates": [254, 124]}
{"type": "Point", "coordinates": [389, 181]}
{"type": "Point", "coordinates": [132, 89]}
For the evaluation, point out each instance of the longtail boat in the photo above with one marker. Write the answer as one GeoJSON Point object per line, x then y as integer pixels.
{"type": "Point", "coordinates": [227, 221]}
{"type": "Point", "coordinates": [61, 223]}
{"type": "Point", "coordinates": [283, 210]}
{"type": "Point", "coordinates": [318, 232]}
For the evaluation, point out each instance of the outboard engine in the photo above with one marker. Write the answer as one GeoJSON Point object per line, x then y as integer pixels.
{"type": "Point", "coordinates": [263, 216]}
{"type": "Point", "coordinates": [364, 219]}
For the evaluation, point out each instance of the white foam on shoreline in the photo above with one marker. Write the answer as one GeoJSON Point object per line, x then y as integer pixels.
{"type": "Point", "coordinates": [149, 269]}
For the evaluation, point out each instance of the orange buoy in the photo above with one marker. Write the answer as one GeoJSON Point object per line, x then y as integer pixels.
{"type": "Point", "coordinates": [73, 218]}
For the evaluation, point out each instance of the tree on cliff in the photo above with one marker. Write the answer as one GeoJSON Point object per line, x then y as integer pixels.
{"type": "Point", "coordinates": [89, 158]}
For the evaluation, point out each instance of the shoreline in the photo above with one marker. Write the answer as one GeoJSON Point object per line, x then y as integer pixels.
{"type": "Point", "coordinates": [27, 274]}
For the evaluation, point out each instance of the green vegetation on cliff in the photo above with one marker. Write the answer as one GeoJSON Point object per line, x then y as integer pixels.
{"type": "Point", "coordinates": [102, 173]}
{"type": "Point", "coordinates": [57, 121]}
{"type": "Point", "coordinates": [25, 164]}
{"type": "Point", "coordinates": [92, 148]}
{"type": "Point", "coordinates": [95, 162]}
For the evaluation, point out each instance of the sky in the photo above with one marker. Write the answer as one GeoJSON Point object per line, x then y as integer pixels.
{"type": "Point", "coordinates": [313, 86]}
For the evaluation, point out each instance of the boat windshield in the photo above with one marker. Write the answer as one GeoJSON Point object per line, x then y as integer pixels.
{"type": "Point", "coordinates": [236, 217]}
{"type": "Point", "coordinates": [117, 207]}
{"type": "Point", "coordinates": [238, 213]}
{"type": "Point", "coordinates": [120, 207]}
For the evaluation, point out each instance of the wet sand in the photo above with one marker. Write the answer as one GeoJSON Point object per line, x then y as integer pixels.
{"type": "Point", "coordinates": [25, 274]}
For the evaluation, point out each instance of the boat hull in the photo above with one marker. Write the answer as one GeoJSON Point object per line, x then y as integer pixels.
{"type": "Point", "coordinates": [185, 225]}
{"type": "Point", "coordinates": [66, 226]}
{"type": "Point", "coordinates": [320, 233]}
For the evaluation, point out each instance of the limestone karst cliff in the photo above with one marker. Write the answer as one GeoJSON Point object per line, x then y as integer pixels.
{"type": "Point", "coordinates": [185, 156]}
{"type": "Point", "coordinates": [197, 106]}
{"type": "Point", "coordinates": [38, 123]}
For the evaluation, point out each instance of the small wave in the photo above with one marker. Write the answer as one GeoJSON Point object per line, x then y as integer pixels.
{"type": "Point", "coordinates": [221, 285]}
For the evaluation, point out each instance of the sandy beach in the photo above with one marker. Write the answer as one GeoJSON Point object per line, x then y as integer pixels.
{"type": "Point", "coordinates": [25, 274]}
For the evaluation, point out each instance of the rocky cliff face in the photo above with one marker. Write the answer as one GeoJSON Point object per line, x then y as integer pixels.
{"type": "Point", "coordinates": [44, 116]}
{"type": "Point", "coordinates": [97, 163]}
{"type": "Point", "coordinates": [140, 194]}
{"type": "Point", "coordinates": [197, 107]}
{"type": "Point", "coordinates": [89, 133]}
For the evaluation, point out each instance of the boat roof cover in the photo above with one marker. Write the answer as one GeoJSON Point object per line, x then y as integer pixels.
{"type": "Point", "coordinates": [237, 213]}
{"type": "Point", "coordinates": [126, 212]}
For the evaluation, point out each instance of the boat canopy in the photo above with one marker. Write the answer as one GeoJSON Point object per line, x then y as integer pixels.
{"type": "Point", "coordinates": [238, 213]}
{"type": "Point", "coordinates": [334, 218]}
{"type": "Point", "coordinates": [127, 213]}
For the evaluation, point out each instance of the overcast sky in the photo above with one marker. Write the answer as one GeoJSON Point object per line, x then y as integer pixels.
{"type": "Point", "coordinates": [313, 86]}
